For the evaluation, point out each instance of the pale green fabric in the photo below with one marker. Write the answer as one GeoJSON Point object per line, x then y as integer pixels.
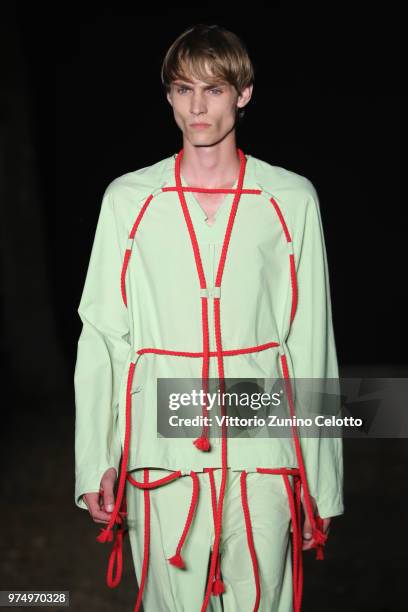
{"type": "Point", "coordinates": [170, 589]}
{"type": "Point", "coordinates": [164, 311]}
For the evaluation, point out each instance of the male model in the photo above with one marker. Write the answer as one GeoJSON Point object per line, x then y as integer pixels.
{"type": "Point", "coordinates": [209, 264]}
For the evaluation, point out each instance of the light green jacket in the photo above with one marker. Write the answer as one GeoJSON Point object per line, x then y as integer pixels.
{"type": "Point", "coordinates": [164, 311]}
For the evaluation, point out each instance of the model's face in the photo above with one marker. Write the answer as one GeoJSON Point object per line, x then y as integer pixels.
{"type": "Point", "coordinates": [196, 102]}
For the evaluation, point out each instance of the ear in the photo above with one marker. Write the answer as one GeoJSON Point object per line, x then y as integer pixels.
{"type": "Point", "coordinates": [169, 98]}
{"type": "Point", "coordinates": [245, 96]}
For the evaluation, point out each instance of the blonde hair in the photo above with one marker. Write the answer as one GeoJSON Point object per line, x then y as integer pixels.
{"type": "Point", "coordinates": [209, 47]}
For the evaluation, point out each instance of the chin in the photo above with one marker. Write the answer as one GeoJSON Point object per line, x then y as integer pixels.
{"type": "Point", "coordinates": [200, 139]}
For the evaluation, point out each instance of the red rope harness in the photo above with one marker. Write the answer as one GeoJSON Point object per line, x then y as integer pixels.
{"type": "Point", "coordinates": [215, 586]}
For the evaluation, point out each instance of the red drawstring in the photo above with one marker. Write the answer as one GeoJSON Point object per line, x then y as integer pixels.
{"type": "Point", "coordinates": [155, 483]}
{"type": "Point", "coordinates": [177, 559]}
{"type": "Point", "coordinates": [298, 508]}
{"type": "Point", "coordinates": [218, 585]}
{"type": "Point", "coordinates": [295, 511]}
{"type": "Point", "coordinates": [106, 534]}
{"type": "Point", "coordinates": [250, 539]}
{"type": "Point", "coordinates": [199, 354]}
{"type": "Point", "coordinates": [146, 544]}
{"type": "Point", "coordinates": [297, 547]}
{"type": "Point", "coordinates": [116, 555]}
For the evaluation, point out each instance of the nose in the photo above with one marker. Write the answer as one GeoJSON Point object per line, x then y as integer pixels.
{"type": "Point", "coordinates": [198, 104]}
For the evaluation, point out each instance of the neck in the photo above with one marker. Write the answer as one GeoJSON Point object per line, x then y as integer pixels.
{"type": "Point", "coordinates": [210, 167]}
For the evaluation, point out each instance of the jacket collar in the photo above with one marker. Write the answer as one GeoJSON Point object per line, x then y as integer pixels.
{"type": "Point", "coordinates": [168, 176]}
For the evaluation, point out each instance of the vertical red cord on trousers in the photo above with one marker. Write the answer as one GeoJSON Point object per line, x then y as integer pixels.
{"type": "Point", "coordinates": [146, 551]}
{"type": "Point", "coordinates": [297, 547]}
{"type": "Point", "coordinates": [218, 586]}
{"type": "Point", "coordinates": [250, 538]}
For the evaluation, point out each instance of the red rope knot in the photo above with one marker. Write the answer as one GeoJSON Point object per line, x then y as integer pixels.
{"type": "Point", "coordinates": [106, 533]}
{"type": "Point", "coordinates": [202, 443]}
{"type": "Point", "coordinates": [218, 586]}
{"type": "Point", "coordinates": [319, 538]}
{"type": "Point", "coordinates": [177, 560]}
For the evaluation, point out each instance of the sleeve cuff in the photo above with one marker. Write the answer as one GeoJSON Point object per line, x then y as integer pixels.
{"type": "Point", "coordinates": [89, 483]}
{"type": "Point", "coordinates": [330, 508]}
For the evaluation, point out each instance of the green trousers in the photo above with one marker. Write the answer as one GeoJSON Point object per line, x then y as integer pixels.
{"type": "Point", "coordinates": [168, 588]}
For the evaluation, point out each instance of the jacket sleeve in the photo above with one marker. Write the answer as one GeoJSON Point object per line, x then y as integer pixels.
{"type": "Point", "coordinates": [312, 349]}
{"type": "Point", "coordinates": [103, 347]}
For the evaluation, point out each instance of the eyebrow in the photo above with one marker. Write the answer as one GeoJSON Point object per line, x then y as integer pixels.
{"type": "Point", "coordinates": [185, 83]}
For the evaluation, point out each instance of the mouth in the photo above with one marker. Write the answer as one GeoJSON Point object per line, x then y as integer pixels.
{"type": "Point", "coordinates": [199, 125]}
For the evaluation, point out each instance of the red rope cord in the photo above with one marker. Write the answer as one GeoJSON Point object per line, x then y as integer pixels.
{"type": "Point", "coordinates": [297, 546]}
{"type": "Point", "coordinates": [294, 287]}
{"type": "Point", "coordinates": [298, 490]}
{"type": "Point", "coordinates": [217, 318]}
{"type": "Point", "coordinates": [295, 510]}
{"type": "Point", "coordinates": [225, 353]}
{"type": "Point", "coordinates": [202, 441]}
{"type": "Point", "coordinates": [116, 555]}
{"type": "Point", "coordinates": [146, 551]}
{"type": "Point", "coordinates": [250, 538]}
{"type": "Point", "coordinates": [177, 559]}
{"type": "Point", "coordinates": [318, 535]}
{"type": "Point", "coordinates": [218, 586]}
{"type": "Point", "coordinates": [281, 219]}
{"type": "Point", "coordinates": [154, 483]}
{"type": "Point", "coordinates": [106, 534]}
{"type": "Point", "coordinates": [212, 190]}
{"type": "Point", "coordinates": [128, 251]}
{"type": "Point", "coordinates": [190, 226]}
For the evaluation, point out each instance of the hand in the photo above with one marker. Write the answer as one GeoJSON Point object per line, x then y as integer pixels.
{"type": "Point", "coordinates": [100, 505]}
{"type": "Point", "coordinates": [307, 528]}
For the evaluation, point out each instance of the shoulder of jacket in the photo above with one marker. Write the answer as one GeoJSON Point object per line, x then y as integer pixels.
{"type": "Point", "coordinates": [285, 183]}
{"type": "Point", "coordinates": [137, 185]}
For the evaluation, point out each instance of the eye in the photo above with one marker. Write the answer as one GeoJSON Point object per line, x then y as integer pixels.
{"type": "Point", "coordinates": [215, 89]}
{"type": "Point", "coordinates": [180, 89]}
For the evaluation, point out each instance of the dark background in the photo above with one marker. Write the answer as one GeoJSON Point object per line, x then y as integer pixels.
{"type": "Point", "coordinates": [82, 104]}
